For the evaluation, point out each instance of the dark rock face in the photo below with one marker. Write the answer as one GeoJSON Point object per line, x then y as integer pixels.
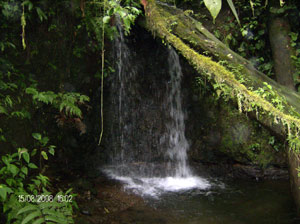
{"type": "Point", "coordinates": [218, 133]}
{"type": "Point", "coordinates": [136, 112]}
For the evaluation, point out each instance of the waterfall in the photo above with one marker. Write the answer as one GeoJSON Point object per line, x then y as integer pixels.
{"type": "Point", "coordinates": [147, 160]}
{"type": "Point", "coordinates": [177, 143]}
{"type": "Point", "coordinates": [122, 104]}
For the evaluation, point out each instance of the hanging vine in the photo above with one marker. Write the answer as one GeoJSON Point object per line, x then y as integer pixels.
{"type": "Point", "coordinates": [102, 74]}
{"type": "Point", "coordinates": [23, 24]}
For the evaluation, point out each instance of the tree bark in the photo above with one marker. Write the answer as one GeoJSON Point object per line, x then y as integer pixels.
{"type": "Point", "coordinates": [280, 41]}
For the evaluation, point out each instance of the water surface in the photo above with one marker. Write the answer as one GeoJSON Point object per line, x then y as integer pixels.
{"type": "Point", "coordinates": [240, 202]}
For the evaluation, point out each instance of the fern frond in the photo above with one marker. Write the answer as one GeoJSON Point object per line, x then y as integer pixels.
{"type": "Point", "coordinates": [32, 216]}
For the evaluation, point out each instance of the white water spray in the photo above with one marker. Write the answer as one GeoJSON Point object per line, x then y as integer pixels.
{"type": "Point", "coordinates": [177, 143]}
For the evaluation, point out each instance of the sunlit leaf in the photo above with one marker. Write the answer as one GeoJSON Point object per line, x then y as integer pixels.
{"type": "Point", "coordinates": [37, 136]}
{"type": "Point", "coordinates": [13, 169]}
{"type": "Point", "coordinates": [26, 156]}
{"type": "Point", "coordinates": [52, 151]}
{"type": "Point", "coordinates": [31, 90]}
{"type": "Point", "coordinates": [32, 166]}
{"type": "Point", "coordinates": [44, 154]}
{"type": "Point", "coordinates": [106, 19]}
{"type": "Point", "coordinates": [214, 7]}
{"type": "Point", "coordinates": [24, 170]}
{"type": "Point", "coordinates": [230, 3]}
{"type": "Point", "coordinates": [31, 216]}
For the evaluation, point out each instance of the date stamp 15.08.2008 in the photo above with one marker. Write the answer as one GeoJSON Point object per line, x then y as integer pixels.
{"type": "Point", "coordinates": [44, 198]}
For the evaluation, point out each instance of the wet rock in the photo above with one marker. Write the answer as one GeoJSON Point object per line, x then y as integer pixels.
{"type": "Point", "coordinates": [240, 133]}
{"type": "Point", "coordinates": [86, 212]}
{"type": "Point", "coordinates": [244, 171]}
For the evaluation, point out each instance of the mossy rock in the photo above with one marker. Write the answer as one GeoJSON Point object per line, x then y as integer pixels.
{"type": "Point", "coordinates": [245, 141]}
{"type": "Point", "coordinates": [221, 134]}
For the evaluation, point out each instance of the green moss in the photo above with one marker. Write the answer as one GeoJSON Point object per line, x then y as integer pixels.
{"type": "Point", "coordinates": [244, 141]}
{"type": "Point", "coordinates": [158, 23]}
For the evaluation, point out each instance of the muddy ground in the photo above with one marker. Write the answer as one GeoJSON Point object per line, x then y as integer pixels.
{"type": "Point", "coordinates": [105, 201]}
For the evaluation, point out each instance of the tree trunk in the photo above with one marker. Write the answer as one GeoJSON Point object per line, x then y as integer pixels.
{"type": "Point", "coordinates": [279, 29]}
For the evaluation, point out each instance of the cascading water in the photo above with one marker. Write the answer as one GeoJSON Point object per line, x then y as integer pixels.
{"type": "Point", "coordinates": [175, 137]}
{"type": "Point", "coordinates": [122, 103]}
{"type": "Point", "coordinates": [147, 160]}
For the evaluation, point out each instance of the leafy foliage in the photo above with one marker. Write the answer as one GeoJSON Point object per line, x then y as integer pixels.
{"type": "Point", "coordinates": [47, 211]}
{"type": "Point", "coordinates": [214, 7]}
{"type": "Point", "coordinates": [127, 13]}
{"type": "Point", "coordinates": [31, 203]}
{"type": "Point", "coordinates": [66, 102]}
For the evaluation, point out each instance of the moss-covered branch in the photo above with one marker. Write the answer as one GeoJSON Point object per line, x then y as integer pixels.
{"type": "Point", "coordinates": [160, 21]}
{"type": "Point", "coordinates": [199, 38]}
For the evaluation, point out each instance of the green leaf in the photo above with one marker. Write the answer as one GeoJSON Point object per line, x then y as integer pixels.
{"type": "Point", "coordinates": [13, 169]}
{"type": "Point", "coordinates": [24, 170]}
{"type": "Point", "coordinates": [31, 216]}
{"type": "Point", "coordinates": [230, 3]}
{"type": "Point", "coordinates": [2, 170]}
{"type": "Point", "coordinates": [52, 151]}
{"type": "Point", "coordinates": [5, 160]}
{"type": "Point", "coordinates": [27, 209]}
{"type": "Point", "coordinates": [30, 6]}
{"type": "Point", "coordinates": [41, 14]}
{"type": "Point", "coordinates": [9, 181]}
{"type": "Point", "coordinates": [8, 101]}
{"type": "Point", "coordinates": [39, 221]}
{"type": "Point", "coordinates": [44, 154]}
{"type": "Point", "coordinates": [53, 213]}
{"type": "Point", "coordinates": [106, 19]}
{"type": "Point", "coordinates": [26, 156]}
{"type": "Point", "coordinates": [31, 91]}
{"type": "Point", "coordinates": [83, 98]}
{"type": "Point", "coordinates": [214, 7]}
{"type": "Point", "coordinates": [3, 110]}
{"type": "Point", "coordinates": [69, 190]}
{"type": "Point", "coordinates": [55, 219]}
{"type": "Point", "coordinates": [37, 136]}
{"type": "Point", "coordinates": [44, 141]}
{"type": "Point", "coordinates": [32, 166]}
{"type": "Point", "coordinates": [122, 13]}
{"type": "Point", "coordinates": [48, 205]}
{"type": "Point", "coordinates": [3, 192]}
{"type": "Point", "coordinates": [34, 151]}
{"type": "Point", "coordinates": [22, 175]}
{"type": "Point", "coordinates": [252, 7]}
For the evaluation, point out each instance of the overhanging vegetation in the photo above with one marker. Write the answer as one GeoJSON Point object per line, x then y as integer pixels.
{"type": "Point", "coordinates": [178, 29]}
